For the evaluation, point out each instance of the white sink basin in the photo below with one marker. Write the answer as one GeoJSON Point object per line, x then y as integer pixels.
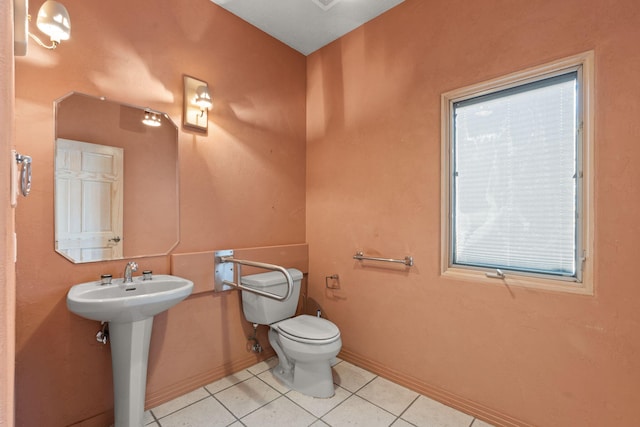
{"type": "Point", "coordinates": [120, 304]}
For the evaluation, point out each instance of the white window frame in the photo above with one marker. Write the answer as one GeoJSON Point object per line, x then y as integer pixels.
{"type": "Point", "coordinates": [584, 62]}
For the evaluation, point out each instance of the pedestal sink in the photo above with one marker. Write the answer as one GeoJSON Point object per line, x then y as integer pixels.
{"type": "Point", "coordinates": [129, 309]}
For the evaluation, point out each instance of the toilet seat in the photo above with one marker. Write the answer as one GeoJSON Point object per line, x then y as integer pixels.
{"type": "Point", "coordinates": [309, 329]}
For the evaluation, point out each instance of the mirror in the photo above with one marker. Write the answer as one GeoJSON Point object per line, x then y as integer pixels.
{"type": "Point", "coordinates": [116, 180]}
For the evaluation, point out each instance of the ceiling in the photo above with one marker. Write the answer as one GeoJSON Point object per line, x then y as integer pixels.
{"type": "Point", "coordinates": [307, 25]}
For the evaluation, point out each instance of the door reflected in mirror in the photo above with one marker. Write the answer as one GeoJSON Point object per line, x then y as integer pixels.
{"type": "Point", "coordinates": [116, 181]}
{"type": "Point", "coordinates": [89, 184]}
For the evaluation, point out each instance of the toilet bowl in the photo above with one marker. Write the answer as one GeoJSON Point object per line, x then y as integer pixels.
{"type": "Point", "coordinates": [305, 345]}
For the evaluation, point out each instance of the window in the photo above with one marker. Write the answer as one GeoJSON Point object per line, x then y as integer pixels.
{"type": "Point", "coordinates": [516, 190]}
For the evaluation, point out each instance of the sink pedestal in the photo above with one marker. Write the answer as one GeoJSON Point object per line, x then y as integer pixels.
{"type": "Point", "coordinates": [129, 356]}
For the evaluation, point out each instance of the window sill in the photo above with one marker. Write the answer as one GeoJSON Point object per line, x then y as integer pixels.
{"type": "Point", "coordinates": [478, 276]}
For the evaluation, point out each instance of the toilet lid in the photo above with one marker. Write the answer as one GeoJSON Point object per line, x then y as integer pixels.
{"type": "Point", "coordinates": [309, 328]}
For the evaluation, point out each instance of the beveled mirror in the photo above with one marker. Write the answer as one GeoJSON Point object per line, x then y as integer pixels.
{"type": "Point", "coordinates": [116, 180]}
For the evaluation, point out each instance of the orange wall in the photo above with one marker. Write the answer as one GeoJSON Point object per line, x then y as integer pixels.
{"type": "Point", "coordinates": [242, 185]}
{"type": "Point", "coordinates": [373, 165]}
{"type": "Point", "coordinates": [373, 183]}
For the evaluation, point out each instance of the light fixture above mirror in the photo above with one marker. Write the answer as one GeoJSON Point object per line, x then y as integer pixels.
{"type": "Point", "coordinates": [197, 103]}
{"type": "Point", "coordinates": [151, 118]}
{"type": "Point", "coordinates": [52, 19]}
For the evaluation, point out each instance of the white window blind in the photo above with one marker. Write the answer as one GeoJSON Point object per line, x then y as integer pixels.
{"type": "Point", "coordinates": [514, 173]}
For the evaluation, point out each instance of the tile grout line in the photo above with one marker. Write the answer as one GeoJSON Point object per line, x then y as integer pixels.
{"type": "Point", "coordinates": [353, 393]}
{"type": "Point", "coordinates": [407, 408]}
{"type": "Point", "coordinates": [260, 407]}
{"type": "Point", "coordinates": [237, 419]}
{"type": "Point", "coordinates": [179, 409]}
{"type": "Point", "coordinates": [228, 410]}
{"type": "Point", "coordinates": [210, 394]}
{"type": "Point", "coordinates": [317, 418]}
{"type": "Point", "coordinates": [157, 419]}
{"type": "Point", "coordinates": [380, 407]}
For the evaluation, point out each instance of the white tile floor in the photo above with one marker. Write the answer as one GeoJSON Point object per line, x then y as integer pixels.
{"type": "Point", "coordinates": [253, 397]}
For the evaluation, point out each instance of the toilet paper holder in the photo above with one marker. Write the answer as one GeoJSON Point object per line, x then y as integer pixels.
{"type": "Point", "coordinates": [335, 278]}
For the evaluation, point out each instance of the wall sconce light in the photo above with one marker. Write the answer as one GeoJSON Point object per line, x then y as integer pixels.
{"type": "Point", "coordinates": [151, 118]}
{"type": "Point", "coordinates": [197, 103]}
{"type": "Point", "coordinates": [203, 98]}
{"type": "Point", "coordinates": [53, 20]}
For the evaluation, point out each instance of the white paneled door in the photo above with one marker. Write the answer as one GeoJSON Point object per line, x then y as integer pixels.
{"type": "Point", "coordinates": [89, 200]}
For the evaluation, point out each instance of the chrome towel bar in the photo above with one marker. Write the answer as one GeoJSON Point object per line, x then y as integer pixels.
{"type": "Point", "coordinates": [408, 260]}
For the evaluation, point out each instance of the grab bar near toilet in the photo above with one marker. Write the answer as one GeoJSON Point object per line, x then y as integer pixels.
{"type": "Point", "coordinates": [224, 275]}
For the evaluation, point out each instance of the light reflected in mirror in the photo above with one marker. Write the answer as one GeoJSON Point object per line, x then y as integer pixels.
{"type": "Point", "coordinates": [116, 181]}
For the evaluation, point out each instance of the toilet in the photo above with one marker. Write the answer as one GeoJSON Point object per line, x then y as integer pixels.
{"type": "Point", "coordinates": [306, 345]}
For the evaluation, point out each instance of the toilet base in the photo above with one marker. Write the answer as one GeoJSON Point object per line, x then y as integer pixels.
{"type": "Point", "coordinates": [311, 379]}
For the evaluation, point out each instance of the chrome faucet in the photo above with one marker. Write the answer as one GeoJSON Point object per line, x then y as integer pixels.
{"type": "Point", "coordinates": [128, 271]}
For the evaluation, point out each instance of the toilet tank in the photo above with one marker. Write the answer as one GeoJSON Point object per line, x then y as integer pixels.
{"type": "Point", "coordinates": [264, 310]}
